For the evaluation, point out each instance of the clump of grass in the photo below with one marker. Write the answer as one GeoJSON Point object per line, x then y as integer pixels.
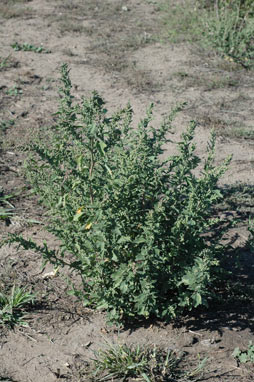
{"type": "Point", "coordinates": [226, 26]}
{"type": "Point", "coordinates": [229, 29]}
{"type": "Point", "coordinates": [225, 128]}
{"type": "Point", "coordinates": [13, 306]}
{"type": "Point", "coordinates": [181, 22]}
{"type": "Point", "coordinates": [9, 11]}
{"type": "Point", "coordinates": [240, 132]}
{"type": "Point", "coordinates": [147, 364]}
{"type": "Point", "coordinates": [208, 82]}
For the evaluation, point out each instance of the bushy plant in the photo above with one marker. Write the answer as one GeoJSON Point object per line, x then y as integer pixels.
{"type": "Point", "coordinates": [136, 228]}
{"type": "Point", "coordinates": [229, 28]}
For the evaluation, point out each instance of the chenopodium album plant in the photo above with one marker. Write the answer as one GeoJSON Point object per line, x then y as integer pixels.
{"type": "Point", "coordinates": [136, 228]}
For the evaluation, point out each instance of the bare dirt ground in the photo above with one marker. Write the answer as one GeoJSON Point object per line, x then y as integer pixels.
{"type": "Point", "coordinates": [114, 47]}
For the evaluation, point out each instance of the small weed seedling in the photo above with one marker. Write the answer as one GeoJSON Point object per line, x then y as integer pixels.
{"type": "Point", "coordinates": [29, 48]}
{"type": "Point", "coordinates": [14, 91]}
{"type": "Point", "coordinates": [4, 125]}
{"type": "Point", "coordinates": [6, 62]}
{"type": "Point", "coordinates": [6, 208]}
{"type": "Point", "coordinates": [12, 306]}
{"type": "Point", "coordinates": [244, 356]}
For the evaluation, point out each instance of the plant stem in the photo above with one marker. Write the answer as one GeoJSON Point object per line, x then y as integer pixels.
{"type": "Point", "coordinates": [91, 170]}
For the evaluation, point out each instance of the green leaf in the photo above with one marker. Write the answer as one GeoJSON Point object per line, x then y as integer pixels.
{"type": "Point", "coordinates": [197, 299]}
{"type": "Point", "coordinates": [102, 306]}
{"type": "Point", "coordinates": [124, 239]}
{"type": "Point", "coordinates": [146, 378]}
{"type": "Point", "coordinates": [108, 169]}
{"type": "Point", "coordinates": [140, 240]}
{"type": "Point", "coordinates": [101, 146]}
{"type": "Point", "coordinates": [243, 358]}
{"type": "Point", "coordinates": [78, 216]}
{"type": "Point", "coordinates": [93, 129]}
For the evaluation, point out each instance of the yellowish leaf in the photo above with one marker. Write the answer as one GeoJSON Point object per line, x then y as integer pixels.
{"type": "Point", "coordinates": [88, 226]}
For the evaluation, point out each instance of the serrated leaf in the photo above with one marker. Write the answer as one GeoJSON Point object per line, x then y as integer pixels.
{"type": "Point", "coordinates": [124, 239]}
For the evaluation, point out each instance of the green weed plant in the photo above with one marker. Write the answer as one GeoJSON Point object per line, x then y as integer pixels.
{"type": "Point", "coordinates": [229, 28]}
{"type": "Point", "coordinates": [226, 26]}
{"type": "Point", "coordinates": [147, 364]}
{"type": "Point", "coordinates": [135, 227]}
{"type": "Point", "coordinates": [14, 91]}
{"type": "Point", "coordinates": [29, 48]}
{"type": "Point", "coordinates": [244, 356]}
{"type": "Point", "coordinates": [4, 62]}
{"type": "Point", "coordinates": [13, 305]}
{"type": "Point", "coordinates": [181, 22]}
{"type": "Point", "coordinates": [5, 124]}
{"type": "Point", "coordinates": [6, 208]}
